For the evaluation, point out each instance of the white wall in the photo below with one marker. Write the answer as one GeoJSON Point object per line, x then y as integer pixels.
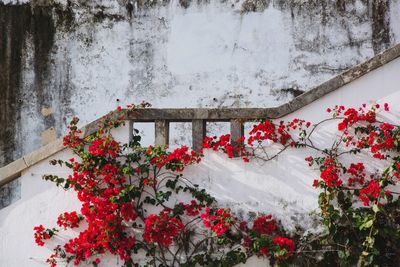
{"type": "Point", "coordinates": [208, 55]}
{"type": "Point", "coordinates": [281, 187]}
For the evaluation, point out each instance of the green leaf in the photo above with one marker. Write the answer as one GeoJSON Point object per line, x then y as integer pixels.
{"type": "Point", "coordinates": [375, 208]}
{"type": "Point", "coordinates": [367, 224]}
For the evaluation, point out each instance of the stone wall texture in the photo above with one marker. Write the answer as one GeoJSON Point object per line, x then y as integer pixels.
{"type": "Point", "coordinates": [60, 58]}
{"type": "Point", "coordinates": [281, 187]}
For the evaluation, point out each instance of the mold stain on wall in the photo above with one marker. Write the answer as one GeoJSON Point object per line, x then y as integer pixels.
{"type": "Point", "coordinates": [18, 25]}
{"type": "Point", "coordinates": [42, 41]}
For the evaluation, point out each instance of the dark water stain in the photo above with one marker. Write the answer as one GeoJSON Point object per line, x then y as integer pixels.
{"type": "Point", "coordinates": [43, 31]}
{"type": "Point", "coordinates": [20, 24]}
{"type": "Point", "coordinates": [376, 12]}
{"type": "Point", "coordinates": [65, 17]}
{"type": "Point", "coordinates": [14, 28]}
{"type": "Point", "coordinates": [287, 93]}
{"type": "Point", "coordinates": [380, 25]}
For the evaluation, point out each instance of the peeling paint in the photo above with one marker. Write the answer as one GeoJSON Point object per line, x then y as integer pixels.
{"type": "Point", "coordinates": [46, 111]}
{"type": "Point", "coordinates": [48, 136]}
{"type": "Point", "coordinates": [79, 57]}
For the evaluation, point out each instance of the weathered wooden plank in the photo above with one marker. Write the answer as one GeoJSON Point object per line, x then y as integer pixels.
{"type": "Point", "coordinates": [237, 131]}
{"type": "Point", "coordinates": [161, 132]}
{"type": "Point", "coordinates": [198, 134]}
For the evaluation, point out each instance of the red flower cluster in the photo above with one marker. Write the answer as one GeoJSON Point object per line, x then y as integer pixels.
{"type": "Point", "coordinates": [97, 185]}
{"type": "Point", "coordinates": [162, 228]}
{"type": "Point", "coordinates": [357, 174]}
{"type": "Point", "coordinates": [104, 146]}
{"type": "Point", "coordinates": [286, 246]}
{"type": "Point", "coordinates": [52, 260]}
{"type": "Point", "coordinates": [370, 193]}
{"type": "Point", "coordinates": [177, 160]}
{"type": "Point", "coordinates": [72, 139]}
{"type": "Point", "coordinates": [330, 173]}
{"type": "Point", "coordinates": [69, 220]}
{"type": "Point", "coordinates": [267, 130]}
{"type": "Point", "coordinates": [192, 209]}
{"type": "Point", "coordinates": [378, 138]}
{"type": "Point", "coordinates": [262, 242]}
{"type": "Point", "coordinates": [219, 220]}
{"type": "Point", "coordinates": [352, 116]}
{"type": "Point", "coordinates": [264, 225]}
{"type": "Point", "coordinates": [110, 174]}
{"type": "Point", "coordinates": [41, 234]}
{"type": "Point", "coordinates": [263, 251]}
{"type": "Point", "coordinates": [128, 211]}
{"type": "Point", "coordinates": [223, 142]}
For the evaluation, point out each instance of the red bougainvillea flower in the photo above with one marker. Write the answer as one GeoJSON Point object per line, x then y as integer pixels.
{"type": "Point", "coordinates": [177, 160]}
{"type": "Point", "coordinates": [370, 193]}
{"type": "Point", "coordinates": [264, 225]}
{"type": "Point", "coordinates": [286, 247]}
{"type": "Point", "coordinates": [42, 234]}
{"type": "Point", "coordinates": [162, 229]}
{"type": "Point", "coordinates": [357, 174]}
{"type": "Point", "coordinates": [386, 106]}
{"type": "Point", "coordinates": [192, 209]}
{"type": "Point", "coordinates": [264, 251]}
{"type": "Point", "coordinates": [219, 220]}
{"type": "Point", "coordinates": [69, 220]}
{"type": "Point", "coordinates": [330, 173]}
{"type": "Point", "coordinates": [352, 116]}
{"type": "Point", "coordinates": [104, 146]}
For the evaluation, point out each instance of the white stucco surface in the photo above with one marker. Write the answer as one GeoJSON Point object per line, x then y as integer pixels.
{"type": "Point", "coordinates": [281, 187]}
{"type": "Point", "coordinates": [211, 54]}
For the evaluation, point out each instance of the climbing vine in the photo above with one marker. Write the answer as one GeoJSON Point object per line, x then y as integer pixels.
{"type": "Point", "coordinates": [128, 192]}
{"type": "Point", "coordinates": [128, 195]}
{"type": "Point", "coordinates": [359, 174]}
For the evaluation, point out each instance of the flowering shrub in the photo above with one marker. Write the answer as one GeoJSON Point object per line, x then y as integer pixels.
{"type": "Point", "coordinates": [162, 229]}
{"type": "Point", "coordinates": [69, 220]}
{"type": "Point", "coordinates": [359, 206]}
{"type": "Point", "coordinates": [126, 189]}
{"type": "Point", "coordinates": [220, 220]}
{"type": "Point", "coordinates": [126, 192]}
{"type": "Point", "coordinates": [42, 234]}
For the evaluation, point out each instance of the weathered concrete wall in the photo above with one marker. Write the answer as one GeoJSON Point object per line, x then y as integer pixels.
{"type": "Point", "coordinates": [62, 58]}
{"type": "Point", "coordinates": [270, 187]}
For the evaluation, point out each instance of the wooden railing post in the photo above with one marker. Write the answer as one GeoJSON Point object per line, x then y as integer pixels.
{"type": "Point", "coordinates": [198, 134]}
{"type": "Point", "coordinates": [161, 132]}
{"type": "Point", "coordinates": [237, 131]}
